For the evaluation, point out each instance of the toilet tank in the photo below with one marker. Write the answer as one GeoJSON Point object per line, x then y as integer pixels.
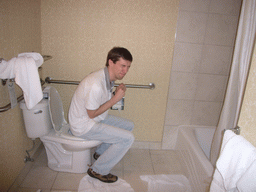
{"type": "Point", "coordinates": [37, 120]}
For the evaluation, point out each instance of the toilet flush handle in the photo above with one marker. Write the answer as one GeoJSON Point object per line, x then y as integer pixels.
{"type": "Point", "coordinates": [38, 112]}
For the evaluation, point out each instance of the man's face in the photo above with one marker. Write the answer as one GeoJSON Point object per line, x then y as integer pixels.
{"type": "Point", "coordinates": [119, 69]}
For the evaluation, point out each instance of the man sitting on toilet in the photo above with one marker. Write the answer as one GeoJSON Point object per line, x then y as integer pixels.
{"type": "Point", "coordinates": [89, 119]}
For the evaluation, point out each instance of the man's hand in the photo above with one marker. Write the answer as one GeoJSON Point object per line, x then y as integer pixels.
{"type": "Point", "coordinates": [120, 92]}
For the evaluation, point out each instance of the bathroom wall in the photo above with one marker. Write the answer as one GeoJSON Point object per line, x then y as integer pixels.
{"type": "Point", "coordinates": [204, 44]}
{"type": "Point", "coordinates": [19, 32]}
{"type": "Point", "coordinates": [79, 34]}
{"type": "Point", "coordinates": [247, 120]}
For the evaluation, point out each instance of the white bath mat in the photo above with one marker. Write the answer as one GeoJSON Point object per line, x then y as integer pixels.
{"type": "Point", "coordinates": [167, 183]}
{"type": "Point", "coordinates": [89, 184]}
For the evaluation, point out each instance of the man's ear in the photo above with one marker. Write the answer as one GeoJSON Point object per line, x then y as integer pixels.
{"type": "Point", "coordinates": [110, 62]}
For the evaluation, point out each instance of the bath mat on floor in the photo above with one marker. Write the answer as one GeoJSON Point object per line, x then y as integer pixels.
{"type": "Point", "coordinates": [88, 184]}
{"type": "Point", "coordinates": [167, 183]}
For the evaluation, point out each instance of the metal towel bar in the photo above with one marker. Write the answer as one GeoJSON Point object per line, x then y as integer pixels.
{"type": "Point", "coordinates": [236, 130]}
{"type": "Point", "coordinates": [21, 97]}
{"type": "Point", "coordinates": [50, 80]}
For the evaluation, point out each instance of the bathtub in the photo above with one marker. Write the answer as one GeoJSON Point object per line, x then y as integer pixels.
{"type": "Point", "coordinates": [193, 144]}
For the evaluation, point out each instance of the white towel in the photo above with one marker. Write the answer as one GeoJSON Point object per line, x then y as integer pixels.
{"type": "Point", "coordinates": [88, 184]}
{"type": "Point", "coordinates": [167, 183]}
{"type": "Point", "coordinates": [236, 156]}
{"type": "Point", "coordinates": [24, 69]}
{"type": "Point", "coordinates": [36, 56]}
{"type": "Point", "coordinates": [247, 183]}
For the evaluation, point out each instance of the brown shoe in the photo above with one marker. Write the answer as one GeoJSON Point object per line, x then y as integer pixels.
{"type": "Point", "coordinates": [104, 178]}
{"type": "Point", "coordinates": [96, 156]}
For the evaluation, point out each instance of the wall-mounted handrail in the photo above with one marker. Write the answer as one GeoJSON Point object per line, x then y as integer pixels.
{"type": "Point", "coordinates": [50, 80]}
{"type": "Point", "coordinates": [21, 97]}
{"type": "Point", "coordinates": [8, 106]}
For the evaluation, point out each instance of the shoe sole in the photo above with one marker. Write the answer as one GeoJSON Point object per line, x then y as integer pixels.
{"type": "Point", "coordinates": [105, 181]}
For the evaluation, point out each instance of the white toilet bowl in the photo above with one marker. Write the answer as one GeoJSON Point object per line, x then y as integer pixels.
{"type": "Point", "coordinates": [65, 152]}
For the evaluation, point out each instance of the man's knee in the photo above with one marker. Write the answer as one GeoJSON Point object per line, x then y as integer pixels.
{"type": "Point", "coordinates": [130, 125]}
{"type": "Point", "coordinates": [130, 138]}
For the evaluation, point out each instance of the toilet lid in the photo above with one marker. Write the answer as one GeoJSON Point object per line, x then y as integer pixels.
{"type": "Point", "coordinates": [56, 109]}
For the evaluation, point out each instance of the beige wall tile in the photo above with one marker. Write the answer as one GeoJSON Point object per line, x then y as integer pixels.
{"type": "Point", "coordinates": [206, 113]}
{"type": "Point", "coordinates": [226, 7]}
{"type": "Point", "coordinates": [191, 27]}
{"type": "Point", "coordinates": [211, 87]}
{"type": "Point", "coordinates": [216, 59]}
{"type": "Point", "coordinates": [221, 30]}
{"type": "Point", "coordinates": [187, 57]}
{"type": "Point", "coordinates": [183, 85]}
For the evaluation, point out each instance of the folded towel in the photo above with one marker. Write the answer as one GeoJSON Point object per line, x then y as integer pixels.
{"type": "Point", "coordinates": [24, 69]}
{"type": "Point", "coordinates": [236, 156]}
{"type": "Point", "coordinates": [217, 183]}
{"type": "Point", "coordinates": [36, 56]}
{"type": "Point", "coordinates": [247, 183]}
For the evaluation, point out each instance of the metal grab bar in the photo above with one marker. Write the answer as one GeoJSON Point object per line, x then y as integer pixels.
{"type": "Point", "coordinates": [20, 98]}
{"type": "Point", "coordinates": [50, 80]}
{"type": "Point", "coordinates": [8, 106]}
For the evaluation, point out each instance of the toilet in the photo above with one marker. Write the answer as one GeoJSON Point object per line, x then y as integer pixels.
{"type": "Point", "coordinates": [46, 121]}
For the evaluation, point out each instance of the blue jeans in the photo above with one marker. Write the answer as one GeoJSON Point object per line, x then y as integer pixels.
{"type": "Point", "coordinates": [115, 133]}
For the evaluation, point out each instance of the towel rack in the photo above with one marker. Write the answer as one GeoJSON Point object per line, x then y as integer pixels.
{"type": "Point", "coordinates": [45, 57]}
{"type": "Point", "coordinates": [21, 97]}
{"type": "Point", "coordinates": [50, 80]}
{"type": "Point", "coordinates": [236, 130]}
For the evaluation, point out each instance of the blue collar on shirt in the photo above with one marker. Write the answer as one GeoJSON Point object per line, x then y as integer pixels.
{"type": "Point", "coordinates": [110, 84]}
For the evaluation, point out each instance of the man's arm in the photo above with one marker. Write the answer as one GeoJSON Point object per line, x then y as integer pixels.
{"type": "Point", "coordinates": [119, 94]}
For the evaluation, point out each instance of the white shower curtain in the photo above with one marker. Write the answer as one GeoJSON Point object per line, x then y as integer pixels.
{"type": "Point", "coordinates": [238, 75]}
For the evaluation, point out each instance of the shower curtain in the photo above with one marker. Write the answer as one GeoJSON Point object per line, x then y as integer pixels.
{"type": "Point", "coordinates": [238, 75]}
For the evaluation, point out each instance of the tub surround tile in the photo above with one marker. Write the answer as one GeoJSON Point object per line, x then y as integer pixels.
{"type": "Point", "coordinates": [179, 112]}
{"type": "Point", "coordinates": [221, 30]}
{"type": "Point", "coordinates": [226, 7]}
{"type": "Point", "coordinates": [191, 27]}
{"type": "Point", "coordinates": [183, 85]}
{"type": "Point", "coordinates": [187, 57]}
{"type": "Point", "coordinates": [195, 5]}
{"type": "Point", "coordinates": [206, 113]}
{"type": "Point", "coordinates": [211, 87]}
{"type": "Point", "coordinates": [202, 58]}
{"type": "Point", "coordinates": [216, 59]}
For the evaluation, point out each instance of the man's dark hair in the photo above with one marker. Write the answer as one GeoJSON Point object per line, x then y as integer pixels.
{"type": "Point", "coordinates": [117, 52]}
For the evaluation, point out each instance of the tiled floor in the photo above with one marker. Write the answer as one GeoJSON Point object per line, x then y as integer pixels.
{"type": "Point", "coordinates": [36, 175]}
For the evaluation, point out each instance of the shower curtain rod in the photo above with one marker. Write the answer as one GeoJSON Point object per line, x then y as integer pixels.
{"type": "Point", "coordinates": [50, 80]}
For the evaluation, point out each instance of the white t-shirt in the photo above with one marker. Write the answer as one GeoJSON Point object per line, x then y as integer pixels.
{"type": "Point", "coordinates": [93, 91]}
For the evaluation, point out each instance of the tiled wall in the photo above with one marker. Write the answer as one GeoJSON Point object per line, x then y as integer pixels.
{"type": "Point", "coordinates": [205, 36]}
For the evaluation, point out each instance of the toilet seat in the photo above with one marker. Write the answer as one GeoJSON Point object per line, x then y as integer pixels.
{"type": "Point", "coordinates": [60, 132]}
{"type": "Point", "coordinates": [68, 141]}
